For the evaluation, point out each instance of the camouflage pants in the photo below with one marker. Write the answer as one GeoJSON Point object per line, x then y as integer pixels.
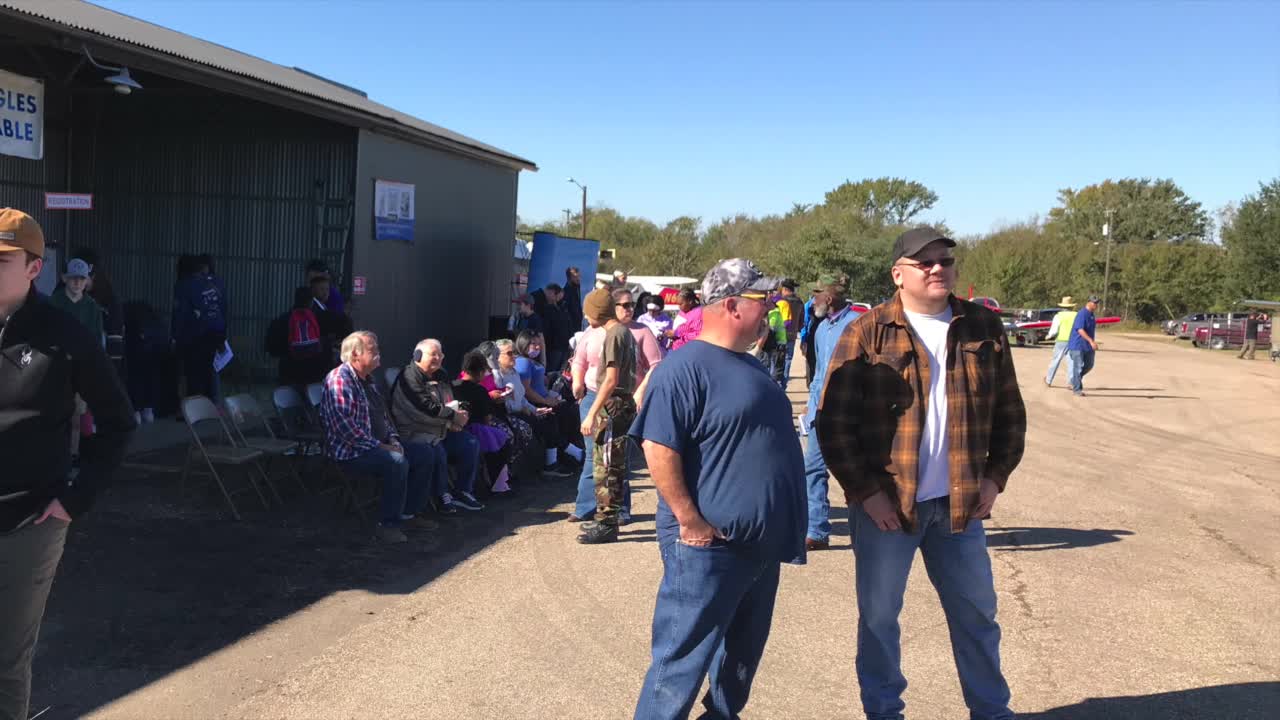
{"type": "Point", "coordinates": [610, 457]}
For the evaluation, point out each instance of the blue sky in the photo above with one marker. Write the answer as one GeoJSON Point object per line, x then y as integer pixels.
{"type": "Point", "coordinates": [714, 108]}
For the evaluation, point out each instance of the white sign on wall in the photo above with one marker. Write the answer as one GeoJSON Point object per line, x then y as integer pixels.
{"type": "Point", "coordinates": [21, 116]}
{"type": "Point", "coordinates": [68, 201]}
{"type": "Point", "coordinates": [392, 211]}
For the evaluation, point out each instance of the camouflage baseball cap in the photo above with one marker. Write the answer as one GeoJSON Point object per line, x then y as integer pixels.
{"type": "Point", "coordinates": [735, 277]}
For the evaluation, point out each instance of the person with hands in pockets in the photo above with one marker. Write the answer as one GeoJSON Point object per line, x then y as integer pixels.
{"type": "Point", "coordinates": [921, 422]}
{"type": "Point", "coordinates": [723, 454]}
{"type": "Point", "coordinates": [47, 359]}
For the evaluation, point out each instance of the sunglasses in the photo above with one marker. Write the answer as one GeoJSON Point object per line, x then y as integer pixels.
{"type": "Point", "coordinates": [927, 265]}
{"type": "Point", "coordinates": [754, 296]}
{"type": "Point", "coordinates": [627, 306]}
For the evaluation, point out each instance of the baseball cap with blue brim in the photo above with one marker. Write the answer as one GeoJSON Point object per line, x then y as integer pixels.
{"type": "Point", "coordinates": [77, 268]}
{"type": "Point", "coordinates": [736, 277]}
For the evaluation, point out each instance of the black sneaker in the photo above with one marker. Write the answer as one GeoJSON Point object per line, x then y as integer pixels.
{"type": "Point", "coordinates": [467, 501]}
{"type": "Point", "coordinates": [446, 507]}
{"type": "Point", "coordinates": [558, 470]}
{"type": "Point", "coordinates": [599, 534]}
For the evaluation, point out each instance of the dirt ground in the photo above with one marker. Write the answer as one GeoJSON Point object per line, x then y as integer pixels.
{"type": "Point", "coordinates": [1135, 551]}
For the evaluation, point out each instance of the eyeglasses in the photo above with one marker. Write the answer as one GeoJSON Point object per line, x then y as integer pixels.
{"type": "Point", "coordinates": [627, 306]}
{"type": "Point", "coordinates": [754, 296]}
{"type": "Point", "coordinates": [927, 265]}
{"type": "Point", "coordinates": [507, 352]}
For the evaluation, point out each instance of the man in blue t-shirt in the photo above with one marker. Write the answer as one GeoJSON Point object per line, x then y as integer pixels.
{"type": "Point", "coordinates": [729, 472]}
{"type": "Point", "coordinates": [1082, 347]}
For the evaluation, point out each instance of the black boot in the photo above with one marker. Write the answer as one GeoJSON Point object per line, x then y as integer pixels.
{"type": "Point", "coordinates": [598, 534]}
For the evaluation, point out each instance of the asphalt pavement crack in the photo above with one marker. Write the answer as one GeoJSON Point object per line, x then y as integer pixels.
{"type": "Point", "coordinates": [1236, 549]}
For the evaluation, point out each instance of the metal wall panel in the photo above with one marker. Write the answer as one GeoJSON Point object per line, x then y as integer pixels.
{"type": "Point", "coordinates": [191, 173]}
{"type": "Point", "coordinates": [457, 272]}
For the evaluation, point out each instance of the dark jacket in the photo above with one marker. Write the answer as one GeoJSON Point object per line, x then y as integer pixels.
{"type": "Point", "coordinates": [532, 322]}
{"type": "Point", "coordinates": [555, 322]}
{"type": "Point", "coordinates": [418, 404]}
{"type": "Point", "coordinates": [46, 359]}
{"type": "Point", "coordinates": [573, 306]}
{"type": "Point", "coordinates": [199, 309]}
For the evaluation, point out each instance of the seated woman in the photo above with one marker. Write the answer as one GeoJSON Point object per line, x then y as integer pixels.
{"type": "Point", "coordinates": [529, 350]}
{"type": "Point", "coordinates": [496, 439]}
{"type": "Point", "coordinates": [519, 407]}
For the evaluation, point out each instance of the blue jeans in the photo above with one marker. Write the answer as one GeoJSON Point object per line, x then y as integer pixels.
{"type": "Point", "coordinates": [714, 609]}
{"type": "Point", "coordinates": [1059, 352]}
{"type": "Point", "coordinates": [403, 492]}
{"type": "Point", "coordinates": [960, 570]}
{"type": "Point", "coordinates": [815, 475]}
{"type": "Point", "coordinates": [791, 354]}
{"type": "Point", "coordinates": [463, 450]}
{"type": "Point", "coordinates": [1081, 364]}
{"type": "Point", "coordinates": [584, 506]}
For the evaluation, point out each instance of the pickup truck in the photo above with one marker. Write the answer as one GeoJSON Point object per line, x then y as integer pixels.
{"type": "Point", "coordinates": [1223, 336]}
{"type": "Point", "coordinates": [1186, 327]}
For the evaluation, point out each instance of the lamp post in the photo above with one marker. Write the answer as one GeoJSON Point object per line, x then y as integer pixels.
{"type": "Point", "coordinates": [1106, 272]}
{"type": "Point", "coordinates": [584, 206]}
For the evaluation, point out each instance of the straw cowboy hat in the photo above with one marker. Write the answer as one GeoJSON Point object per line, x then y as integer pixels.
{"type": "Point", "coordinates": [1067, 302]}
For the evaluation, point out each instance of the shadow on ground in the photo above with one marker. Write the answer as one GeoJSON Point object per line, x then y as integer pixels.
{"type": "Point", "coordinates": [1241, 701]}
{"type": "Point", "coordinates": [154, 579]}
{"type": "Point", "coordinates": [1034, 539]}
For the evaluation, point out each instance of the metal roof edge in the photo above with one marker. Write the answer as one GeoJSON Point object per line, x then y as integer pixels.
{"type": "Point", "coordinates": [312, 104]}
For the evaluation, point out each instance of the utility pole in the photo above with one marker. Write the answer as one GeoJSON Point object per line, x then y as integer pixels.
{"type": "Point", "coordinates": [567, 213]}
{"type": "Point", "coordinates": [584, 206]}
{"type": "Point", "coordinates": [1106, 272]}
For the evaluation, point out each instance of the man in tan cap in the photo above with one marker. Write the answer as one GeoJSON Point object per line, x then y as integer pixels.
{"type": "Point", "coordinates": [46, 359]}
{"type": "Point", "coordinates": [1060, 331]}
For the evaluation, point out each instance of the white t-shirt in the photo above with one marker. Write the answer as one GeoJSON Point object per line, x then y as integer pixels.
{"type": "Point", "coordinates": [935, 469]}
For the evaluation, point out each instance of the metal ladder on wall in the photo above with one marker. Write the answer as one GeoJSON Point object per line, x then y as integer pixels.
{"type": "Point", "coordinates": [334, 226]}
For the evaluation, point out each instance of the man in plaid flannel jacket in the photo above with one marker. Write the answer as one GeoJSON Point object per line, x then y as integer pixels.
{"type": "Point", "coordinates": [921, 423]}
{"type": "Point", "coordinates": [359, 436]}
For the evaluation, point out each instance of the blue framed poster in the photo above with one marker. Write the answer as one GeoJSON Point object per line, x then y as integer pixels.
{"type": "Point", "coordinates": [392, 211]}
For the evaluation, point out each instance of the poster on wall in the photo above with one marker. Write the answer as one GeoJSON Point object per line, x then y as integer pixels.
{"type": "Point", "coordinates": [392, 211]}
{"type": "Point", "coordinates": [21, 116]}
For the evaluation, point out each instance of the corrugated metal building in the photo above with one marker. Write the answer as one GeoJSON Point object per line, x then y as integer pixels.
{"type": "Point", "coordinates": [261, 166]}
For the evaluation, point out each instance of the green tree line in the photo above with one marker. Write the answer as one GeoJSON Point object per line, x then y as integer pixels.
{"type": "Point", "coordinates": [1165, 259]}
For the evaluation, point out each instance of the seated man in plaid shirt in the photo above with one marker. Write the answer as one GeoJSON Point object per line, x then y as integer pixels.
{"type": "Point", "coordinates": [922, 423]}
{"type": "Point", "coordinates": [358, 434]}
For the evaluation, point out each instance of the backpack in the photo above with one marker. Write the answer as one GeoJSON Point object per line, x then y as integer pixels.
{"type": "Point", "coordinates": [304, 334]}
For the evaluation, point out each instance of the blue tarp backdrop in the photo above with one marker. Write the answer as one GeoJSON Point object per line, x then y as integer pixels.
{"type": "Point", "coordinates": [552, 254]}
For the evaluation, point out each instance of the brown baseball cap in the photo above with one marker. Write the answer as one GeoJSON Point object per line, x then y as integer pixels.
{"type": "Point", "coordinates": [20, 231]}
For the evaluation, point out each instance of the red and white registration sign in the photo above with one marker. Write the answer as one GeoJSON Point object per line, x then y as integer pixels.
{"type": "Point", "coordinates": [68, 201]}
{"type": "Point", "coordinates": [359, 285]}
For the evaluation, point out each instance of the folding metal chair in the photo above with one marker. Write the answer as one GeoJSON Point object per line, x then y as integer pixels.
{"type": "Point", "coordinates": [245, 415]}
{"type": "Point", "coordinates": [292, 413]}
{"type": "Point", "coordinates": [296, 417]}
{"type": "Point", "coordinates": [315, 391]}
{"type": "Point", "coordinates": [390, 375]}
{"type": "Point", "coordinates": [199, 409]}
